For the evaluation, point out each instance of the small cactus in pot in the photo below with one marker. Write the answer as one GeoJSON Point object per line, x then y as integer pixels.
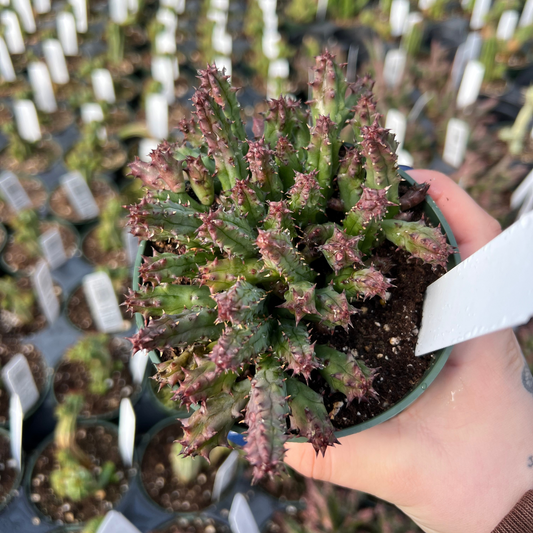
{"type": "Point", "coordinates": [261, 244]}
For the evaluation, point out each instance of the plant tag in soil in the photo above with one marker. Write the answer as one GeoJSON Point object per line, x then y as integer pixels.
{"type": "Point", "coordinates": [405, 158]}
{"type": "Point", "coordinates": [397, 123]}
{"type": "Point", "coordinates": [321, 10]}
{"type": "Point", "coordinates": [218, 17]}
{"type": "Point", "coordinates": [481, 8]}
{"type": "Point", "coordinates": [457, 133]}
{"type": "Point", "coordinates": [425, 4]}
{"type": "Point", "coordinates": [115, 522]}
{"type": "Point", "coordinates": [168, 18]}
{"type": "Point", "coordinates": [394, 67]}
{"type": "Point", "coordinates": [224, 64]}
{"type": "Point", "coordinates": [471, 84]}
{"type": "Point", "coordinates": [474, 299]}
{"type": "Point", "coordinates": [13, 191]}
{"type": "Point", "coordinates": [270, 44]}
{"type": "Point", "coordinates": [523, 196]}
{"type": "Point", "coordinates": [44, 289]}
{"type": "Point", "coordinates": [507, 24]}
{"type": "Point", "coordinates": [27, 120]}
{"type": "Point", "coordinates": [66, 32]}
{"type": "Point", "coordinates": [138, 363]}
{"type": "Point", "coordinates": [18, 379]}
{"type": "Point", "coordinates": [41, 84]}
{"type": "Point", "coordinates": [7, 72]}
{"type": "Point", "coordinates": [80, 196]}
{"type": "Point", "coordinates": [12, 32]}
{"type": "Point", "coordinates": [25, 13]}
{"type": "Point", "coordinates": [399, 12]}
{"type": "Point", "coordinates": [118, 11]}
{"type": "Point", "coordinates": [16, 418]}
{"type": "Point", "coordinates": [53, 249]}
{"type": "Point", "coordinates": [42, 6]}
{"type": "Point", "coordinates": [133, 6]}
{"type": "Point", "coordinates": [177, 5]}
{"type": "Point", "coordinates": [157, 115]}
{"type": "Point", "coordinates": [473, 45]}
{"type": "Point", "coordinates": [351, 68]}
{"type": "Point", "coordinates": [55, 59]}
{"type": "Point", "coordinates": [126, 431]}
{"type": "Point", "coordinates": [103, 302]}
{"type": "Point", "coordinates": [175, 68]}
{"type": "Point", "coordinates": [278, 68]}
{"type": "Point", "coordinates": [241, 519]}
{"type": "Point", "coordinates": [131, 245]}
{"type": "Point", "coordinates": [222, 41]}
{"type": "Point", "coordinates": [163, 71]}
{"type": "Point", "coordinates": [225, 475]}
{"type": "Point", "coordinates": [80, 13]}
{"type": "Point", "coordinates": [145, 148]}
{"type": "Point", "coordinates": [92, 112]}
{"type": "Point", "coordinates": [102, 83]}
{"type": "Point", "coordinates": [165, 42]}
{"type": "Point", "coordinates": [527, 15]}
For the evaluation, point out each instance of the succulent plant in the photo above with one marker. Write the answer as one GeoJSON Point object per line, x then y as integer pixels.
{"type": "Point", "coordinates": [19, 148]}
{"type": "Point", "coordinates": [26, 232]}
{"type": "Point", "coordinates": [16, 302]}
{"type": "Point", "coordinates": [185, 469]}
{"type": "Point", "coordinates": [109, 230]}
{"type": "Point", "coordinates": [86, 156]}
{"type": "Point", "coordinates": [267, 242]}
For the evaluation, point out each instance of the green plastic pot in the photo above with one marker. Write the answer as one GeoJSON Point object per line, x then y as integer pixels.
{"type": "Point", "coordinates": [18, 478]}
{"type": "Point", "coordinates": [435, 217]}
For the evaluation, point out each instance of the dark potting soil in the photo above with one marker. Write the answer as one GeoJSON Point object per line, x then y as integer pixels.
{"type": "Point", "coordinates": [44, 154]}
{"type": "Point", "coordinates": [8, 472]}
{"type": "Point", "coordinates": [36, 192]}
{"type": "Point", "coordinates": [194, 525]}
{"type": "Point", "coordinates": [160, 483]}
{"type": "Point", "coordinates": [9, 347]}
{"type": "Point", "coordinates": [101, 444]}
{"type": "Point", "coordinates": [114, 155]}
{"type": "Point", "coordinates": [288, 486]}
{"type": "Point", "coordinates": [57, 122]}
{"type": "Point", "coordinates": [96, 256]}
{"type": "Point", "coordinates": [73, 376]}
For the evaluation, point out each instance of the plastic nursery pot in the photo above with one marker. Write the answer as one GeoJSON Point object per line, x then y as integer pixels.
{"type": "Point", "coordinates": [185, 524]}
{"type": "Point", "coordinates": [47, 153]}
{"type": "Point", "coordinates": [17, 475]}
{"type": "Point", "coordinates": [94, 255]}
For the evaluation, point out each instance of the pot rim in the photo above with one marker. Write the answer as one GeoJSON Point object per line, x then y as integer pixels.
{"type": "Point", "coordinates": [19, 477]}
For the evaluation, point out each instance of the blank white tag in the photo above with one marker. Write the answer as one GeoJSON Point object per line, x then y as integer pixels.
{"type": "Point", "coordinates": [218, 17]}
{"type": "Point", "coordinates": [25, 12]}
{"type": "Point", "coordinates": [55, 59]}
{"type": "Point", "coordinates": [397, 123]}
{"type": "Point", "coordinates": [80, 13]}
{"type": "Point", "coordinates": [278, 69]}
{"type": "Point", "coordinates": [527, 14]}
{"type": "Point", "coordinates": [399, 11]}
{"type": "Point", "coordinates": [223, 64]}
{"type": "Point", "coordinates": [133, 6]}
{"type": "Point", "coordinates": [405, 158]}
{"type": "Point", "coordinates": [223, 5]}
{"type": "Point", "coordinates": [270, 45]}
{"type": "Point", "coordinates": [471, 84]}
{"type": "Point", "coordinates": [425, 4]}
{"type": "Point", "coordinates": [163, 72]}
{"type": "Point", "coordinates": [17, 377]}
{"type": "Point", "coordinates": [103, 85]}
{"type": "Point", "coordinates": [27, 120]}
{"type": "Point", "coordinates": [126, 431]}
{"type": "Point", "coordinates": [165, 42]}
{"type": "Point", "coordinates": [393, 67]}
{"type": "Point", "coordinates": [80, 196]}
{"type": "Point", "coordinates": [222, 41]}
{"type": "Point", "coordinates": [12, 32]}
{"type": "Point", "coordinates": [7, 72]}
{"type": "Point", "coordinates": [457, 133]}
{"type": "Point", "coordinates": [16, 417]}
{"type": "Point", "coordinates": [44, 288]}
{"type": "Point", "coordinates": [42, 6]}
{"type": "Point", "coordinates": [138, 363]}
{"type": "Point", "coordinates": [225, 475]}
{"type": "Point", "coordinates": [241, 519]}
{"type": "Point", "coordinates": [13, 191]}
{"type": "Point", "coordinates": [66, 32]}
{"type": "Point", "coordinates": [41, 84]}
{"type": "Point", "coordinates": [175, 68]}
{"type": "Point", "coordinates": [145, 149]}
{"type": "Point", "coordinates": [103, 302]}
{"type": "Point", "coordinates": [321, 10]}
{"type": "Point", "coordinates": [507, 25]}
{"type": "Point", "coordinates": [411, 20]}
{"type": "Point", "coordinates": [522, 191]}
{"type": "Point", "coordinates": [115, 522]}
{"type": "Point", "coordinates": [118, 10]}
{"type": "Point", "coordinates": [168, 18]}
{"type": "Point", "coordinates": [91, 112]}
{"type": "Point", "coordinates": [131, 245]}
{"type": "Point", "coordinates": [53, 249]}
{"type": "Point", "coordinates": [270, 22]}
{"type": "Point", "coordinates": [157, 115]}
{"type": "Point", "coordinates": [473, 45]}
{"type": "Point", "coordinates": [481, 8]}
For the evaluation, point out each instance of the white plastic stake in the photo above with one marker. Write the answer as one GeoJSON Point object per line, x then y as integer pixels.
{"type": "Point", "coordinates": [18, 379]}
{"type": "Point", "coordinates": [103, 85]}
{"type": "Point", "coordinates": [103, 302]}
{"type": "Point", "coordinates": [394, 67]}
{"type": "Point", "coordinates": [157, 115]}
{"type": "Point", "coordinates": [278, 69]}
{"type": "Point", "coordinates": [473, 45]}
{"type": "Point", "coordinates": [411, 20]}
{"type": "Point", "coordinates": [16, 418]}
{"type": "Point", "coordinates": [55, 59]}
{"type": "Point", "coordinates": [12, 32]}
{"type": "Point", "coordinates": [223, 63]}
{"type": "Point", "coordinates": [13, 192]}
{"type": "Point", "coordinates": [351, 68]}
{"type": "Point", "coordinates": [138, 366]}
{"type": "Point", "coordinates": [222, 41]}
{"type": "Point", "coordinates": [397, 123]}
{"type": "Point", "coordinates": [168, 18]}
{"type": "Point", "coordinates": [163, 72]}
{"type": "Point", "coordinates": [222, 5]}
{"type": "Point", "coordinates": [25, 12]}
{"type": "Point", "coordinates": [165, 42]}
{"type": "Point", "coordinates": [53, 249]}
{"type": "Point", "coordinates": [481, 8]}
{"type": "Point", "coordinates": [80, 13]}
{"type": "Point", "coordinates": [175, 68]}
{"type": "Point", "coordinates": [425, 4]}
{"type": "Point", "coordinates": [507, 25]}
{"type": "Point", "coordinates": [225, 475]}
{"type": "Point", "coordinates": [41, 84]}
{"type": "Point", "coordinates": [527, 15]}
{"type": "Point", "coordinates": [405, 158]}
{"type": "Point", "coordinates": [398, 16]}
{"type": "Point", "coordinates": [218, 17]}
{"type": "Point", "coordinates": [42, 6]}
{"type": "Point", "coordinates": [126, 431]}
{"type": "Point", "coordinates": [7, 72]}
{"type": "Point", "coordinates": [115, 522]}
{"type": "Point", "coordinates": [270, 45]}
{"type": "Point", "coordinates": [44, 289]}
{"type": "Point", "coordinates": [145, 148]}
{"type": "Point", "coordinates": [66, 32]}
{"type": "Point", "coordinates": [80, 196]}
{"type": "Point", "coordinates": [457, 133]}
{"type": "Point", "coordinates": [471, 84]}
{"type": "Point", "coordinates": [133, 6]}
{"type": "Point", "coordinates": [131, 245]}
{"type": "Point", "coordinates": [241, 519]}
{"type": "Point", "coordinates": [522, 192]}
{"type": "Point", "coordinates": [91, 112]}
{"type": "Point", "coordinates": [27, 120]}
{"type": "Point", "coordinates": [118, 11]}
{"type": "Point", "coordinates": [321, 10]}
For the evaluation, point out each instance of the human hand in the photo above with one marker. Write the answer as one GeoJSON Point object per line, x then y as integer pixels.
{"type": "Point", "coordinates": [460, 457]}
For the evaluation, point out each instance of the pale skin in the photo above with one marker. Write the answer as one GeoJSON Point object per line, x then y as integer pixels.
{"type": "Point", "coordinates": [460, 457]}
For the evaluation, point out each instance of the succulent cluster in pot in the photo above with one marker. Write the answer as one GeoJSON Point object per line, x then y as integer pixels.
{"type": "Point", "coordinates": [260, 243]}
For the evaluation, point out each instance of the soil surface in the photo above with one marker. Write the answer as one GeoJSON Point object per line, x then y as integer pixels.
{"type": "Point", "coordinates": [101, 445]}
{"type": "Point", "coordinates": [55, 123]}
{"type": "Point", "coordinates": [114, 155]}
{"type": "Point", "coordinates": [3, 236]}
{"type": "Point", "coordinates": [37, 193]}
{"type": "Point", "coordinates": [8, 472]}
{"type": "Point", "coordinates": [73, 376]}
{"type": "Point", "coordinates": [44, 154]}
{"type": "Point", "coordinates": [194, 525]}
{"type": "Point", "coordinates": [116, 119]}
{"type": "Point", "coordinates": [96, 256]}
{"type": "Point", "coordinates": [284, 487]}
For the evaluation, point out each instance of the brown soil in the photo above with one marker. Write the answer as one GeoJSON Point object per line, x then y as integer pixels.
{"type": "Point", "coordinates": [125, 89]}
{"type": "Point", "coordinates": [57, 122]}
{"type": "Point", "coordinates": [285, 487]}
{"type": "Point", "coordinates": [194, 525]}
{"type": "Point", "coordinates": [8, 472]}
{"type": "Point", "coordinates": [96, 256]}
{"type": "Point", "coordinates": [17, 259]}
{"type": "Point", "coordinates": [45, 153]}
{"type": "Point", "coordinates": [162, 486]}
{"type": "Point", "coordinates": [66, 91]}
{"type": "Point", "coordinates": [114, 155]}
{"type": "Point", "coordinates": [9, 89]}
{"type": "Point", "coordinates": [61, 207]}
{"type": "Point", "coordinates": [36, 191]}
{"type": "Point", "coordinates": [116, 119]}
{"type": "Point", "coordinates": [73, 376]}
{"type": "Point", "coordinates": [101, 444]}
{"type": "Point", "coordinates": [9, 347]}
{"type": "Point", "coordinates": [3, 236]}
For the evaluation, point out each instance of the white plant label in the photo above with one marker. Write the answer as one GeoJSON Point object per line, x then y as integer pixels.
{"type": "Point", "coordinates": [4, 2]}
{"type": "Point", "coordinates": [473, 45]}
{"type": "Point", "coordinates": [41, 84]}
{"type": "Point", "coordinates": [221, 40]}
{"type": "Point", "coordinates": [270, 45]}
{"type": "Point", "coordinates": [457, 133]}
{"type": "Point", "coordinates": [79, 195]}
{"type": "Point", "coordinates": [7, 72]}
{"type": "Point", "coordinates": [126, 431]}
{"type": "Point", "coordinates": [53, 249]}
{"type": "Point", "coordinates": [44, 289]}
{"type": "Point", "coordinates": [18, 379]}
{"type": "Point", "coordinates": [13, 192]}
{"type": "Point", "coordinates": [270, 22]}
{"type": "Point", "coordinates": [397, 123]}
{"type": "Point", "coordinates": [411, 20]}
{"type": "Point", "coordinates": [481, 8]}
{"type": "Point", "coordinates": [394, 67]}
{"type": "Point", "coordinates": [25, 12]}
{"type": "Point", "coordinates": [91, 112]}
{"type": "Point", "coordinates": [16, 418]}
{"type": "Point", "coordinates": [103, 302]}
{"type": "Point", "coordinates": [163, 71]}
{"type": "Point", "coordinates": [12, 32]}
{"type": "Point", "coordinates": [42, 6]}
{"type": "Point", "coordinates": [66, 32]}
{"type": "Point", "coordinates": [223, 64]}
{"type": "Point", "coordinates": [218, 17]}
{"type": "Point", "coordinates": [405, 158]}
{"type": "Point", "coordinates": [278, 69]}
{"type": "Point", "coordinates": [523, 195]}
{"type": "Point", "coordinates": [133, 6]}
{"type": "Point", "coordinates": [103, 85]}
{"type": "Point", "coordinates": [507, 25]}
{"type": "Point", "coordinates": [471, 84]}
{"type": "Point", "coordinates": [27, 120]}
{"type": "Point", "coordinates": [165, 42]}
{"type": "Point", "coordinates": [146, 146]}
{"type": "Point", "coordinates": [425, 4]}
{"type": "Point", "coordinates": [175, 68]}
{"type": "Point", "coordinates": [241, 518]}
{"type": "Point", "coordinates": [399, 12]}
{"type": "Point", "coordinates": [223, 5]}
{"type": "Point", "coordinates": [118, 11]}
{"type": "Point", "coordinates": [527, 15]}
{"type": "Point", "coordinates": [157, 115]}
{"type": "Point", "coordinates": [115, 522]}
{"type": "Point", "coordinates": [80, 13]}
{"type": "Point", "coordinates": [351, 68]}
{"type": "Point", "coordinates": [225, 475]}
{"type": "Point", "coordinates": [321, 10]}
{"type": "Point", "coordinates": [138, 366]}
{"type": "Point", "coordinates": [55, 59]}
{"type": "Point", "coordinates": [131, 245]}
{"type": "Point", "coordinates": [168, 18]}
